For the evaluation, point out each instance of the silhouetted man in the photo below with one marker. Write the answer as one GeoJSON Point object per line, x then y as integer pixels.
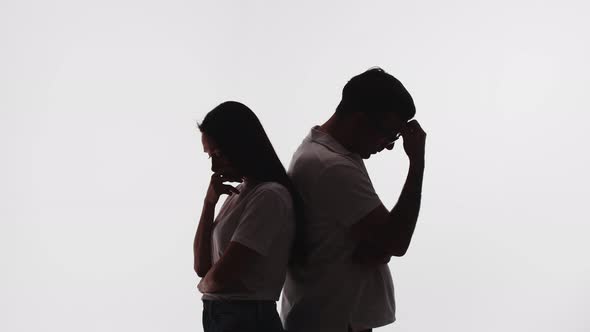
{"type": "Point", "coordinates": [345, 284]}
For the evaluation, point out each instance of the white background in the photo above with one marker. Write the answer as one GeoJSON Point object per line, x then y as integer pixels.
{"type": "Point", "coordinates": [102, 172]}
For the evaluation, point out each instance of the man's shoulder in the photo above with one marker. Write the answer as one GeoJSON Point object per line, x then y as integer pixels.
{"type": "Point", "coordinates": [316, 158]}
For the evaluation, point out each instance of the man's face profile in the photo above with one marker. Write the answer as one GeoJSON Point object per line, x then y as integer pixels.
{"type": "Point", "coordinates": [378, 131]}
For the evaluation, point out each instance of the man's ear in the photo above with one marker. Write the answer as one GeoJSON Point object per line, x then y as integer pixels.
{"type": "Point", "coordinates": [357, 117]}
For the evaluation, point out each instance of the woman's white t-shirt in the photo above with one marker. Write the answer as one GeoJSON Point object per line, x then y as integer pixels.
{"type": "Point", "coordinates": [260, 217]}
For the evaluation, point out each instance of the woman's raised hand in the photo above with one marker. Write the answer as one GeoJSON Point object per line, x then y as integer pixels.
{"type": "Point", "coordinates": [217, 187]}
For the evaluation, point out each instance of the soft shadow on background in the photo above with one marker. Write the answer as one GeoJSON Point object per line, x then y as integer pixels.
{"type": "Point", "coordinates": [102, 172]}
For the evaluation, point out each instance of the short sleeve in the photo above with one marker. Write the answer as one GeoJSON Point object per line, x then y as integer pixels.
{"type": "Point", "coordinates": [346, 193]}
{"type": "Point", "coordinates": [266, 213]}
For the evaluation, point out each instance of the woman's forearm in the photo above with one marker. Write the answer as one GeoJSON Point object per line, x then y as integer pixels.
{"type": "Point", "coordinates": [216, 282]}
{"type": "Point", "coordinates": [202, 243]}
{"type": "Point", "coordinates": [227, 274]}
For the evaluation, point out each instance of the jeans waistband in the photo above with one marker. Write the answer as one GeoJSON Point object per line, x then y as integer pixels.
{"type": "Point", "coordinates": [240, 301]}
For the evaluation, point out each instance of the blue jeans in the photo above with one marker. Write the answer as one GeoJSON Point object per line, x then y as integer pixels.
{"type": "Point", "coordinates": [241, 316]}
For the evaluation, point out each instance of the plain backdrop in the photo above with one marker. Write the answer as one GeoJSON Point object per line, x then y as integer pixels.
{"type": "Point", "coordinates": [102, 172]}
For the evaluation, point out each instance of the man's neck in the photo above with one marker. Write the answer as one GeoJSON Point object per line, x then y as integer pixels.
{"type": "Point", "coordinates": [339, 129]}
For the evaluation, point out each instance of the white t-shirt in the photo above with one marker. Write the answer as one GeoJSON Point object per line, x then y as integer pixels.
{"type": "Point", "coordinates": [331, 292]}
{"type": "Point", "coordinates": [261, 218]}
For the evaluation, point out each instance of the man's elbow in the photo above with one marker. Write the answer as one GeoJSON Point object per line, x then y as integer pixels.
{"type": "Point", "coordinates": [398, 251]}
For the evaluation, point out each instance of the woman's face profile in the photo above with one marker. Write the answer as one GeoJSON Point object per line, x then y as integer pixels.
{"type": "Point", "coordinates": [219, 162]}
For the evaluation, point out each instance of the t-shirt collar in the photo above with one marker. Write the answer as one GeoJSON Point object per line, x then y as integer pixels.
{"type": "Point", "coordinates": [323, 138]}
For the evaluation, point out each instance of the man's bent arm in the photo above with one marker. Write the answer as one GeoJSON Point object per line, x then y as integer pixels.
{"type": "Point", "coordinates": [389, 232]}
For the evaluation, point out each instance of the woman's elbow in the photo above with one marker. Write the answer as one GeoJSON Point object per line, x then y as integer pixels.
{"type": "Point", "coordinates": [200, 271]}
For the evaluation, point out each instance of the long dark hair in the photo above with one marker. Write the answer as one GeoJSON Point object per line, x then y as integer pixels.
{"type": "Point", "coordinates": [242, 139]}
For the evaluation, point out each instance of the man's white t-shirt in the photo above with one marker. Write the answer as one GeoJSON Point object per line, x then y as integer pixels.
{"type": "Point", "coordinates": [260, 217]}
{"type": "Point", "coordinates": [331, 292]}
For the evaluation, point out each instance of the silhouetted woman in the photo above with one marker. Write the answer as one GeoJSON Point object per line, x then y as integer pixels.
{"type": "Point", "coordinates": [242, 254]}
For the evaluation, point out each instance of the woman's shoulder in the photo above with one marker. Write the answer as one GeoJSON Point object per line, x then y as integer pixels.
{"type": "Point", "coordinates": [275, 197]}
{"type": "Point", "coordinates": [272, 188]}
{"type": "Point", "coordinates": [271, 193]}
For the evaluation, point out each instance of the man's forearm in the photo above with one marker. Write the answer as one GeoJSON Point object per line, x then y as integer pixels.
{"type": "Point", "coordinates": [404, 214]}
